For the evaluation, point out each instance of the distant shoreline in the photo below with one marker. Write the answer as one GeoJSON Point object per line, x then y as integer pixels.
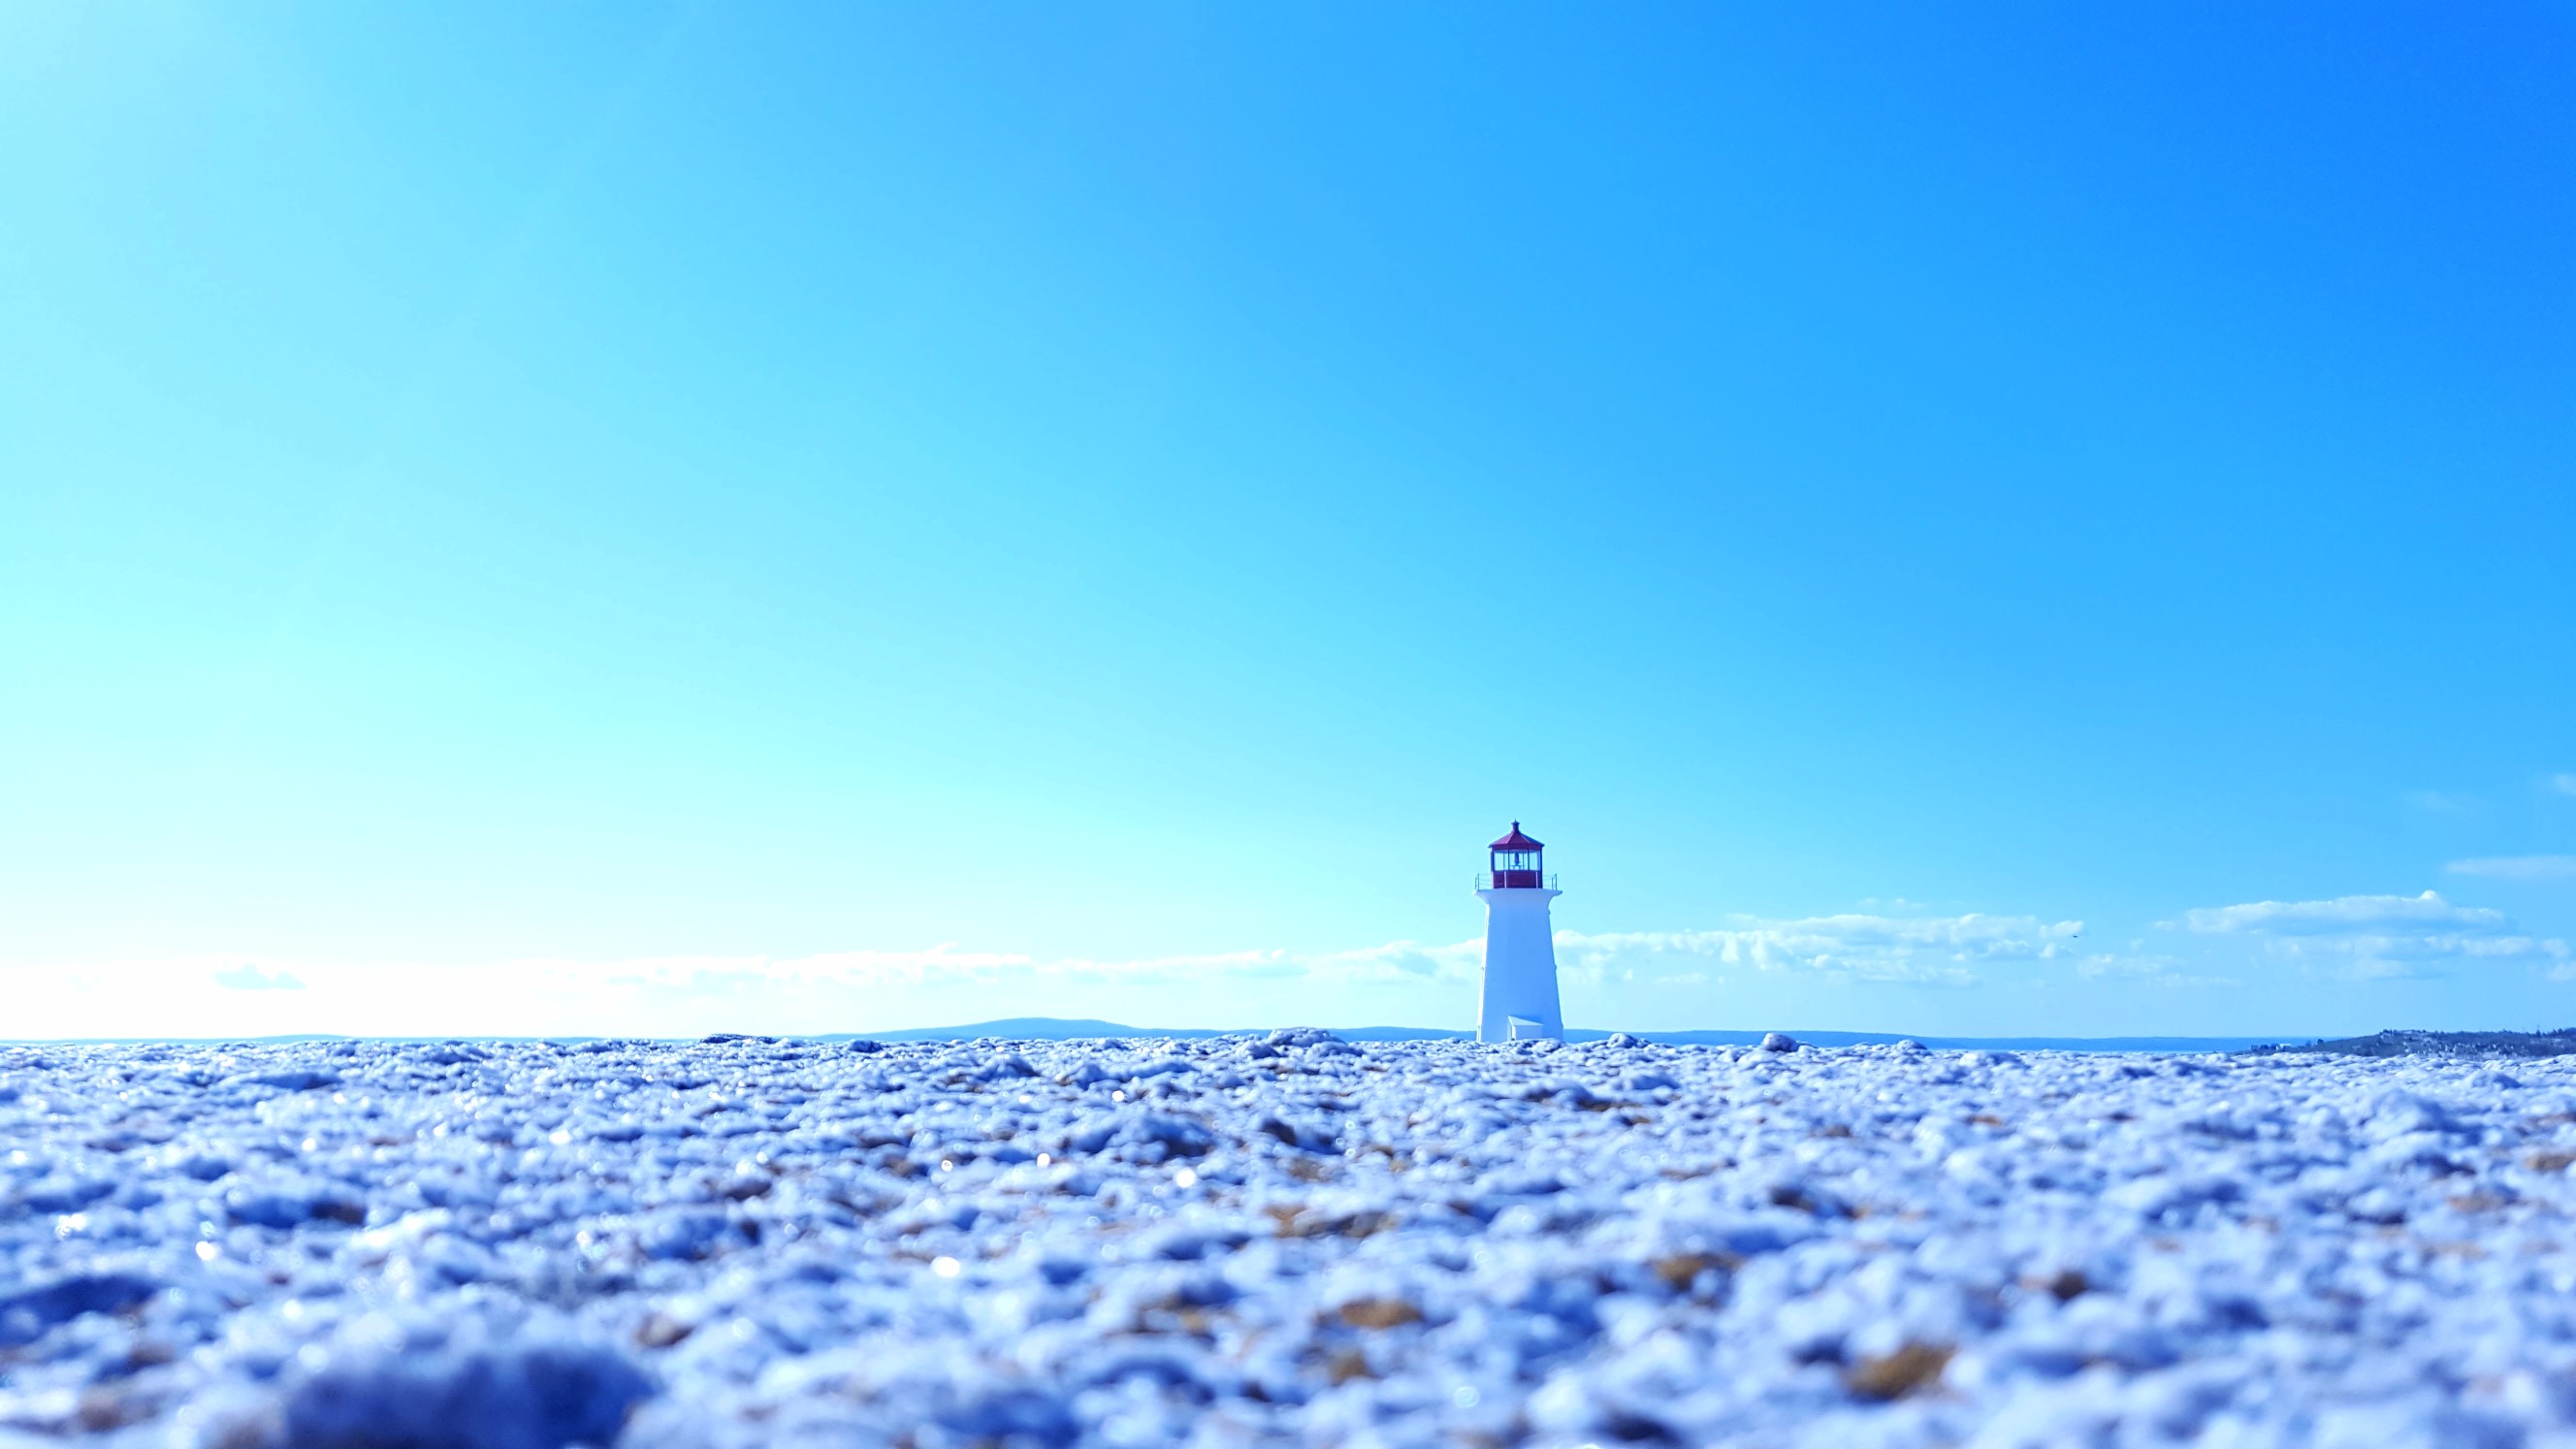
{"type": "Point", "coordinates": [1043, 1028]}
{"type": "Point", "coordinates": [2390, 1043]}
{"type": "Point", "coordinates": [2394, 1043]}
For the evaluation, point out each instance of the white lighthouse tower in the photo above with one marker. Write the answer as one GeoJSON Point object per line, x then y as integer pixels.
{"type": "Point", "coordinates": [1520, 946]}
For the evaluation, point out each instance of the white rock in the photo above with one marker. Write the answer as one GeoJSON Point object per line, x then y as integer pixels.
{"type": "Point", "coordinates": [1278, 1240]}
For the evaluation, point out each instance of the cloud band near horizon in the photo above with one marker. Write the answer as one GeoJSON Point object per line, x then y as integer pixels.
{"type": "Point", "coordinates": [2353, 937]}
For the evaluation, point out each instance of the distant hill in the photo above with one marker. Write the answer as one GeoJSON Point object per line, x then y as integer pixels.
{"type": "Point", "coordinates": [1050, 1028]}
{"type": "Point", "coordinates": [2449, 1044]}
{"type": "Point", "coordinates": [1021, 1028]}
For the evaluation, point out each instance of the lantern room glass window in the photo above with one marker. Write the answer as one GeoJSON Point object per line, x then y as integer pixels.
{"type": "Point", "coordinates": [1516, 870]}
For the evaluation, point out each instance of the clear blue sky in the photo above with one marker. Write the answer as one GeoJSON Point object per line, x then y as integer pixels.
{"type": "Point", "coordinates": [699, 506]}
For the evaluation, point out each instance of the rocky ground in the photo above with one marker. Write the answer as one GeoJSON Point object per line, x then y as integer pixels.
{"type": "Point", "coordinates": [1297, 1239]}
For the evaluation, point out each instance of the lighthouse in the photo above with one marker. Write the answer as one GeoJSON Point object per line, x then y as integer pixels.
{"type": "Point", "coordinates": [1520, 946]}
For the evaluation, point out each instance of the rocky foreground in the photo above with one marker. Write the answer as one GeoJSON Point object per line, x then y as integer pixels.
{"type": "Point", "coordinates": [1240, 1240]}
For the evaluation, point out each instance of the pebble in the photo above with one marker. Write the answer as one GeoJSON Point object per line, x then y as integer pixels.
{"type": "Point", "coordinates": [1277, 1239]}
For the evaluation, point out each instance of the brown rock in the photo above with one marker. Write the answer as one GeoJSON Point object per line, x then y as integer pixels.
{"type": "Point", "coordinates": [1379, 1313]}
{"type": "Point", "coordinates": [1910, 1370]}
{"type": "Point", "coordinates": [1680, 1270]}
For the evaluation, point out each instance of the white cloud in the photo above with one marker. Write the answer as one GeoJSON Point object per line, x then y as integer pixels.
{"type": "Point", "coordinates": [2343, 914]}
{"type": "Point", "coordinates": [2517, 867]}
{"type": "Point", "coordinates": [1868, 947]}
{"type": "Point", "coordinates": [2378, 936]}
{"type": "Point", "coordinates": [2444, 802]}
{"type": "Point", "coordinates": [1930, 950]}
{"type": "Point", "coordinates": [684, 995]}
{"type": "Point", "coordinates": [1397, 982]}
{"type": "Point", "coordinates": [2148, 969]}
{"type": "Point", "coordinates": [1460, 961]}
{"type": "Point", "coordinates": [247, 977]}
{"type": "Point", "coordinates": [950, 965]}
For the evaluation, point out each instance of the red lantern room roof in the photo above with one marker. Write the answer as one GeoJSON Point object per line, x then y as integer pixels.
{"type": "Point", "coordinates": [1515, 841]}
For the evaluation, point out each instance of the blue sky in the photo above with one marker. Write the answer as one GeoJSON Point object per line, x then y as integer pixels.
{"type": "Point", "coordinates": [663, 518]}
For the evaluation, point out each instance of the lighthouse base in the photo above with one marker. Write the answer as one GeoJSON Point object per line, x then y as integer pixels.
{"type": "Point", "coordinates": [1519, 999]}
